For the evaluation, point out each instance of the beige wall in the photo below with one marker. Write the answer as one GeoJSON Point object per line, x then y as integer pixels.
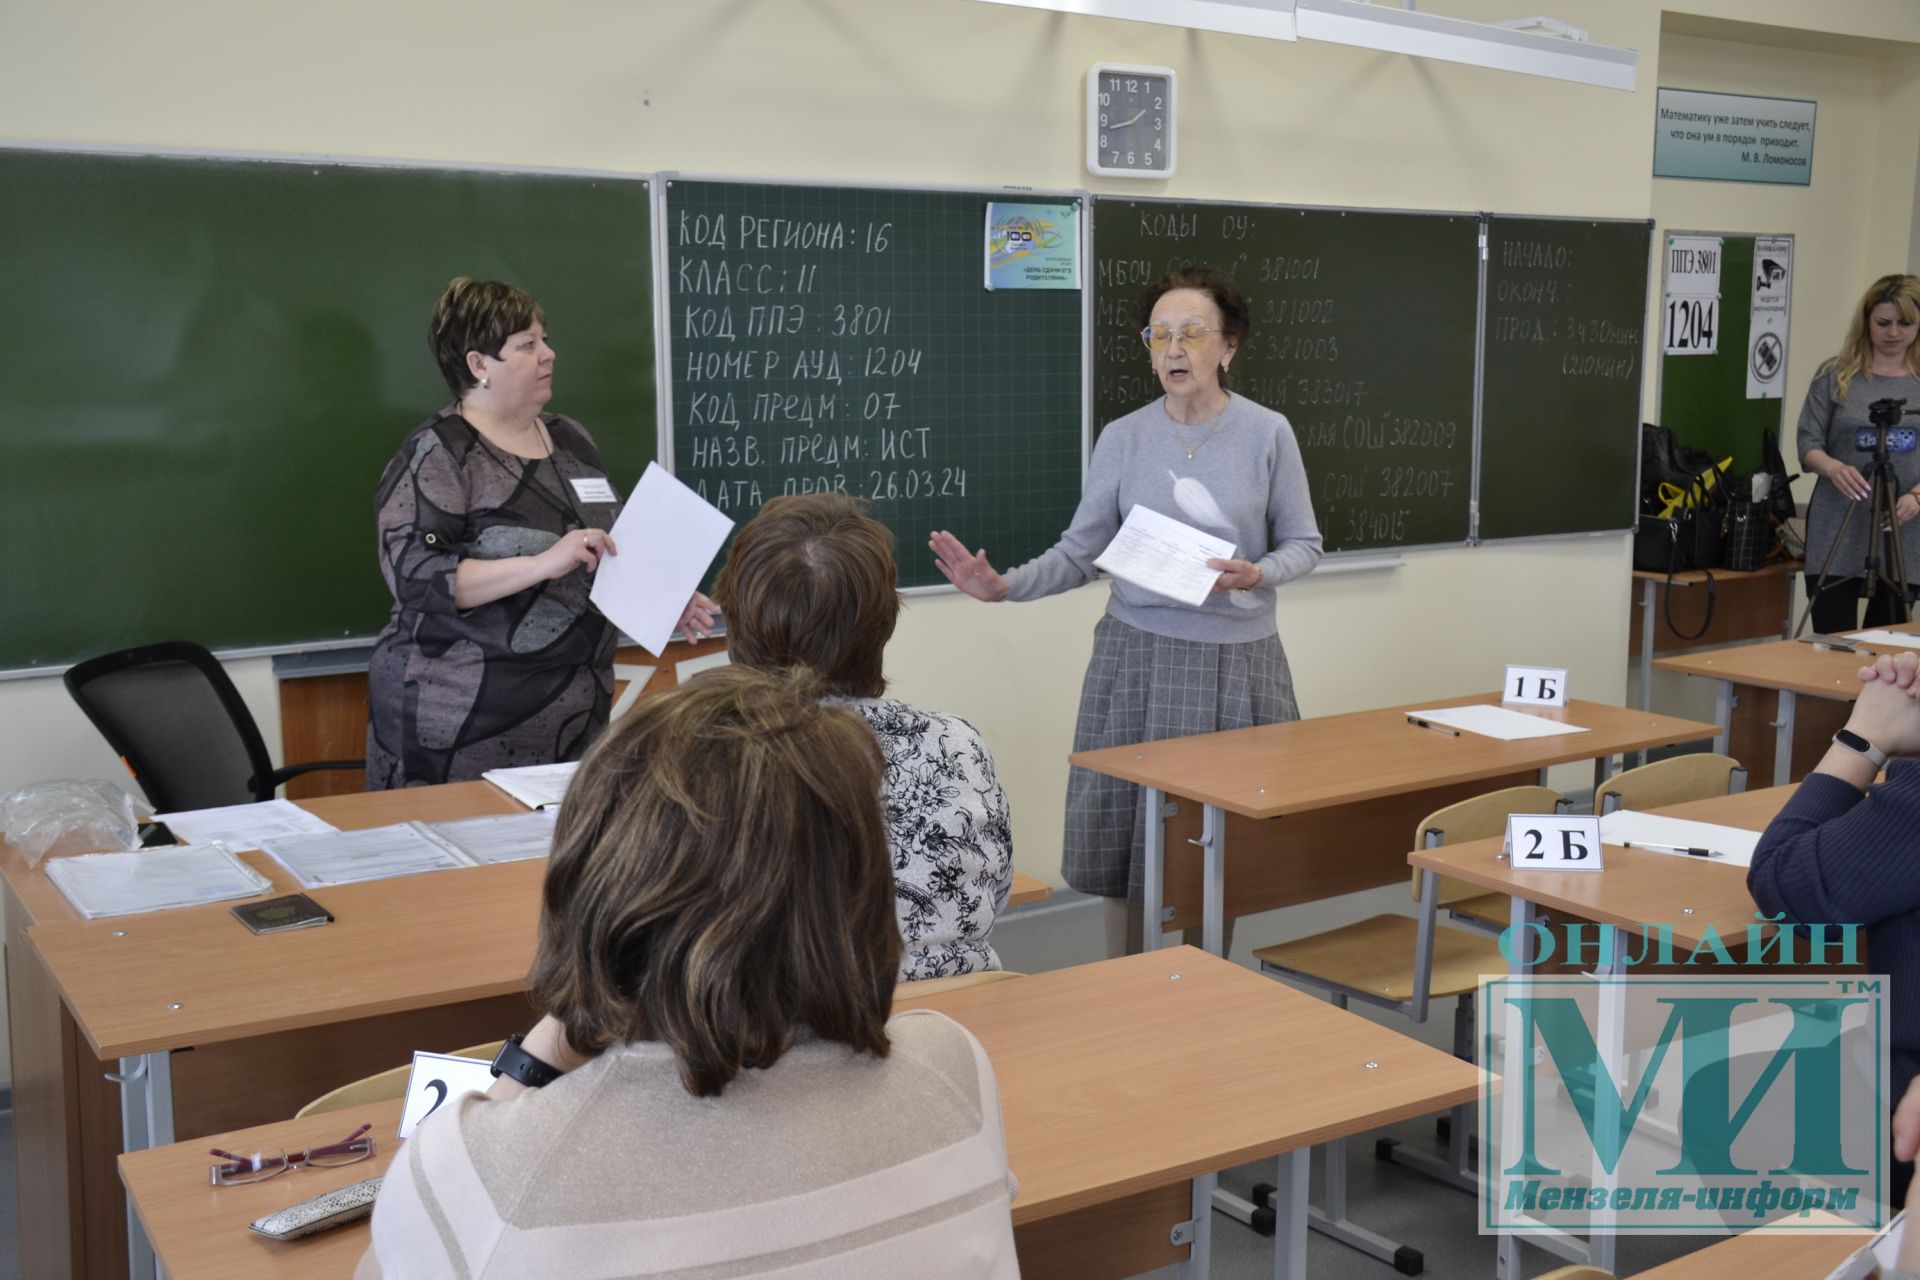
{"type": "Point", "coordinates": [945, 91]}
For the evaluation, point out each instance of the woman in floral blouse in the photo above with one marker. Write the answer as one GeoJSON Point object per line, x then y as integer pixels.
{"type": "Point", "coordinates": [811, 582]}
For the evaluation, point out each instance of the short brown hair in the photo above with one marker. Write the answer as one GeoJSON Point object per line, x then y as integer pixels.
{"type": "Point", "coordinates": [1236, 316]}
{"type": "Point", "coordinates": [811, 582]}
{"type": "Point", "coordinates": [476, 315]}
{"type": "Point", "coordinates": [720, 879]}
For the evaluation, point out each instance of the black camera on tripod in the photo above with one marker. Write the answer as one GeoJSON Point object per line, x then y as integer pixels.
{"type": "Point", "coordinates": [1886, 413]}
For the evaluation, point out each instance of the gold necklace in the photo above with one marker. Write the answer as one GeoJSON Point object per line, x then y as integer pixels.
{"type": "Point", "coordinates": [1174, 426]}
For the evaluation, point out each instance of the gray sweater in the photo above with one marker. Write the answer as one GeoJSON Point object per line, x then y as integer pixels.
{"type": "Point", "coordinates": [1830, 424]}
{"type": "Point", "coordinates": [1245, 483]}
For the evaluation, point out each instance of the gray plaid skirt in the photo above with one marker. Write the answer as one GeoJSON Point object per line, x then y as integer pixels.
{"type": "Point", "coordinates": [1142, 687]}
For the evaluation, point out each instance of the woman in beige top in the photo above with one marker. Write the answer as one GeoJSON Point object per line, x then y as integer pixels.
{"type": "Point", "coordinates": [720, 1089]}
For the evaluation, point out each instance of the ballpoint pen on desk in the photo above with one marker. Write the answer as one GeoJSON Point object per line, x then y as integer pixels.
{"type": "Point", "coordinates": [1437, 728]}
{"type": "Point", "coordinates": [1689, 850]}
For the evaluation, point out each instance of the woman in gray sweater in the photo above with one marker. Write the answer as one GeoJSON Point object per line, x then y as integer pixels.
{"type": "Point", "coordinates": [1879, 361]}
{"type": "Point", "coordinates": [1162, 668]}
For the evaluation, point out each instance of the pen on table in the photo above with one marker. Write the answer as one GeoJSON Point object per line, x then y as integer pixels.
{"type": "Point", "coordinates": [1690, 851]}
{"type": "Point", "coordinates": [1437, 728]}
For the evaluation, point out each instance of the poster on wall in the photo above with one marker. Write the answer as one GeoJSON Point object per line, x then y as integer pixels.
{"type": "Point", "coordinates": [1767, 329]}
{"type": "Point", "coordinates": [1693, 295]}
{"type": "Point", "coordinates": [1033, 246]}
{"type": "Point", "coordinates": [1733, 137]}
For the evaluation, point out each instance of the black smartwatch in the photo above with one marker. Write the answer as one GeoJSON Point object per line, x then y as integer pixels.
{"type": "Point", "coordinates": [516, 1063]}
{"type": "Point", "coordinates": [1854, 742]}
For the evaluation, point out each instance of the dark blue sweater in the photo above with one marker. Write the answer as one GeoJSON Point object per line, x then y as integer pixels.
{"type": "Point", "coordinates": [1835, 856]}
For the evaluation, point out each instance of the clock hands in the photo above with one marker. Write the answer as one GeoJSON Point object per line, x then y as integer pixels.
{"type": "Point", "coordinates": [1124, 123]}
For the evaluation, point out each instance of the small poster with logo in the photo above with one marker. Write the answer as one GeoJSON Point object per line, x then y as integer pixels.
{"type": "Point", "coordinates": [1033, 246]}
{"type": "Point", "coordinates": [1767, 331]}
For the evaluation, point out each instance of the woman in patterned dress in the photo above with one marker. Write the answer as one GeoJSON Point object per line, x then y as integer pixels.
{"type": "Point", "coordinates": [1161, 668]}
{"type": "Point", "coordinates": [810, 582]}
{"type": "Point", "coordinates": [492, 518]}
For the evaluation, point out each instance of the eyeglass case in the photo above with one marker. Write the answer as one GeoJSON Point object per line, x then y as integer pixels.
{"type": "Point", "coordinates": [322, 1213]}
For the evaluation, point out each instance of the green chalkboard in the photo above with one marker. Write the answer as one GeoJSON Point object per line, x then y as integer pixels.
{"type": "Point", "coordinates": [211, 361]}
{"type": "Point", "coordinates": [1703, 398]}
{"type": "Point", "coordinates": [1560, 392]}
{"type": "Point", "coordinates": [844, 338]}
{"type": "Point", "coordinates": [1363, 326]}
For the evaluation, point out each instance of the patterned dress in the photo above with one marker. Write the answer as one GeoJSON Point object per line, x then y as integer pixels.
{"type": "Point", "coordinates": [526, 679]}
{"type": "Point", "coordinates": [950, 833]}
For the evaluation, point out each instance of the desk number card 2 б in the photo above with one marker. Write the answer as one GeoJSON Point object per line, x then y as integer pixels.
{"type": "Point", "coordinates": [1553, 842]}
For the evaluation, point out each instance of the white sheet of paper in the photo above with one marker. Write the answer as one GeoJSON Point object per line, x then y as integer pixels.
{"type": "Point", "coordinates": [437, 1079]}
{"type": "Point", "coordinates": [118, 884]}
{"type": "Point", "coordinates": [667, 535]}
{"type": "Point", "coordinates": [1625, 825]}
{"type": "Point", "coordinates": [346, 857]}
{"type": "Point", "coordinates": [1495, 722]}
{"type": "Point", "coordinates": [536, 786]}
{"type": "Point", "coordinates": [1164, 556]}
{"type": "Point", "coordinates": [243, 826]}
{"type": "Point", "coordinates": [506, 837]}
{"type": "Point", "coordinates": [1879, 635]}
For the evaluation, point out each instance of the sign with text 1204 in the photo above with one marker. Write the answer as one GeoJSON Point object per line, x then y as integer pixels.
{"type": "Point", "coordinates": [1693, 295]}
{"type": "Point", "coordinates": [1553, 842]}
{"type": "Point", "coordinates": [1535, 686]}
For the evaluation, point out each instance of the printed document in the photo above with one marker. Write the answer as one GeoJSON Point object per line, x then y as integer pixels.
{"type": "Point", "coordinates": [1625, 826]}
{"type": "Point", "coordinates": [1165, 556]}
{"type": "Point", "coordinates": [243, 826]}
{"type": "Point", "coordinates": [1881, 636]}
{"type": "Point", "coordinates": [668, 535]}
{"type": "Point", "coordinates": [537, 786]}
{"type": "Point", "coordinates": [118, 884]}
{"type": "Point", "coordinates": [510, 837]}
{"type": "Point", "coordinates": [1495, 722]}
{"type": "Point", "coordinates": [377, 853]}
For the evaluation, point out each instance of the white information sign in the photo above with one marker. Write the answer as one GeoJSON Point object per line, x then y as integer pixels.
{"type": "Point", "coordinates": [1535, 686]}
{"type": "Point", "coordinates": [1553, 842]}
{"type": "Point", "coordinates": [1733, 137]}
{"type": "Point", "coordinates": [1693, 295]}
{"type": "Point", "coordinates": [437, 1078]}
{"type": "Point", "coordinates": [1767, 328]}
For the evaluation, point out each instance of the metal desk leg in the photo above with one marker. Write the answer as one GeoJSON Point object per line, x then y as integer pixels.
{"type": "Point", "coordinates": [1199, 1261]}
{"type": "Point", "coordinates": [1783, 739]}
{"type": "Point", "coordinates": [1647, 594]}
{"type": "Point", "coordinates": [1723, 716]}
{"type": "Point", "coordinates": [1290, 1216]}
{"type": "Point", "coordinates": [146, 1120]}
{"type": "Point", "coordinates": [1213, 881]}
{"type": "Point", "coordinates": [1153, 923]}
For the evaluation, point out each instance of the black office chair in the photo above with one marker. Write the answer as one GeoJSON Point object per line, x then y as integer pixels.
{"type": "Point", "coordinates": [179, 725]}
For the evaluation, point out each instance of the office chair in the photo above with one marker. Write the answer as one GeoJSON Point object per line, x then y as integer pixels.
{"type": "Point", "coordinates": [178, 724]}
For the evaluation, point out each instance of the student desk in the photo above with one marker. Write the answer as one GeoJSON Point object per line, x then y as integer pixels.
{"type": "Point", "coordinates": [1782, 669]}
{"type": "Point", "coordinates": [211, 1028]}
{"type": "Point", "coordinates": [1778, 1257]}
{"type": "Point", "coordinates": [1114, 1138]}
{"type": "Point", "coordinates": [1350, 788]}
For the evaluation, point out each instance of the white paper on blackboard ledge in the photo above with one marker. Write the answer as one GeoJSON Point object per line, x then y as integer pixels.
{"type": "Point", "coordinates": [668, 535]}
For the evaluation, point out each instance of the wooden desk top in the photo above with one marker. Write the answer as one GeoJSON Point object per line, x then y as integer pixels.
{"type": "Point", "coordinates": [1278, 769]}
{"type": "Point", "coordinates": [1140, 1113]}
{"type": "Point", "coordinates": [407, 943]}
{"type": "Point", "coordinates": [1637, 885]}
{"type": "Point", "coordinates": [1793, 665]}
{"type": "Point", "coordinates": [1698, 577]}
{"type": "Point", "coordinates": [1745, 1256]}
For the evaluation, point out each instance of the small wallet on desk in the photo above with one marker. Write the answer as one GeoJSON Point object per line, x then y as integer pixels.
{"type": "Point", "coordinates": [322, 1213]}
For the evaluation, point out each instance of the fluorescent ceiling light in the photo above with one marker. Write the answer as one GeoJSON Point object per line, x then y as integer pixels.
{"type": "Point", "coordinates": [1272, 19]}
{"type": "Point", "coordinates": [1479, 44]}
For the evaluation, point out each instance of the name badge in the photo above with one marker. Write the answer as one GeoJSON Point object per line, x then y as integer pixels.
{"type": "Point", "coordinates": [1535, 686]}
{"type": "Point", "coordinates": [1553, 842]}
{"type": "Point", "coordinates": [436, 1078]}
{"type": "Point", "coordinates": [594, 489]}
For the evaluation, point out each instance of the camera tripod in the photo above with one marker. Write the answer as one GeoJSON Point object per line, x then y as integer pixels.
{"type": "Point", "coordinates": [1885, 566]}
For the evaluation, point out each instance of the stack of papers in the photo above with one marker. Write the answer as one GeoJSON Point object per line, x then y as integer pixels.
{"type": "Point", "coordinates": [1735, 844]}
{"type": "Point", "coordinates": [1164, 556]}
{"type": "Point", "coordinates": [243, 826]}
{"type": "Point", "coordinates": [377, 853]}
{"type": "Point", "coordinates": [1495, 722]}
{"type": "Point", "coordinates": [119, 884]}
{"type": "Point", "coordinates": [536, 786]}
{"type": "Point", "coordinates": [512, 837]}
{"type": "Point", "coordinates": [1881, 636]}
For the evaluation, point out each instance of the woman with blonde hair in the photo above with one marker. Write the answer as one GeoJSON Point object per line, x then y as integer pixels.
{"type": "Point", "coordinates": [1878, 361]}
{"type": "Point", "coordinates": [715, 1087]}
